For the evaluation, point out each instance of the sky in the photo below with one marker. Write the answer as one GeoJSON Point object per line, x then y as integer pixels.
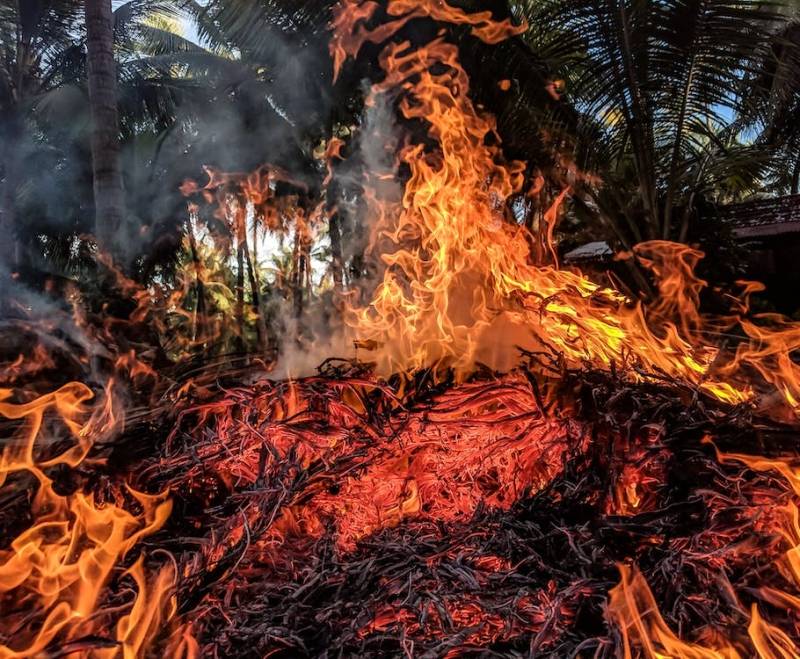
{"type": "Point", "coordinates": [189, 29]}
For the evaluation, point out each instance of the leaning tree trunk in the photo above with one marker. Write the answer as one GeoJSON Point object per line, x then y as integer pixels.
{"type": "Point", "coordinates": [108, 193]}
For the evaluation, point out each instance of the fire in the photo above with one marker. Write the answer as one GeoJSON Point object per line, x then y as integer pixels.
{"type": "Point", "coordinates": [360, 454]}
{"type": "Point", "coordinates": [350, 34]}
{"type": "Point", "coordinates": [633, 608]}
{"type": "Point", "coordinates": [459, 287]}
{"type": "Point", "coordinates": [769, 641]}
{"type": "Point", "coordinates": [55, 571]}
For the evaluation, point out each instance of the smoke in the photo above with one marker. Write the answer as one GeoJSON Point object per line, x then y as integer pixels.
{"type": "Point", "coordinates": [371, 175]}
{"type": "Point", "coordinates": [234, 114]}
{"type": "Point", "coordinates": [378, 145]}
{"type": "Point", "coordinates": [259, 98]}
{"type": "Point", "coordinates": [49, 323]}
{"type": "Point", "coordinates": [380, 187]}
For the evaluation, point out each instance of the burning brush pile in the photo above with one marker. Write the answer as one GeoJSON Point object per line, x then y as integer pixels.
{"type": "Point", "coordinates": [516, 461]}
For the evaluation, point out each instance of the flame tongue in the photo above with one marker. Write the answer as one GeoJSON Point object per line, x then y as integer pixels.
{"type": "Point", "coordinates": [442, 244]}
{"type": "Point", "coordinates": [458, 273]}
{"type": "Point", "coordinates": [350, 17]}
{"type": "Point", "coordinates": [459, 286]}
{"type": "Point", "coordinates": [58, 568]}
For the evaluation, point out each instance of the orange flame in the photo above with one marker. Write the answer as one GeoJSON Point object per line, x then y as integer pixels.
{"type": "Point", "coordinates": [459, 287]}
{"type": "Point", "coordinates": [350, 33]}
{"type": "Point", "coordinates": [59, 566]}
{"type": "Point", "coordinates": [769, 641]}
{"type": "Point", "coordinates": [633, 609]}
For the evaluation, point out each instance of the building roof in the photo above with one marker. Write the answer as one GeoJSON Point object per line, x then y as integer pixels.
{"type": "Point", "coordinates": [763, 218]}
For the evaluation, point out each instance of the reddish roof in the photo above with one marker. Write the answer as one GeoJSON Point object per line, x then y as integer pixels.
{"type": "Point", "coordinates": [763, 218]}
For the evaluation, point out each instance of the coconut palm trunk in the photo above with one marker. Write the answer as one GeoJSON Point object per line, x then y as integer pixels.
{"type": "Point", "coordinates": [108, 192]}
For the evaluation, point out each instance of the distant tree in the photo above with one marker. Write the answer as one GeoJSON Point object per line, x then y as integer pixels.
{"type": "Point", "coordinates": [46, 196]}
{"type": "Point", "coordinates": [39, 53]}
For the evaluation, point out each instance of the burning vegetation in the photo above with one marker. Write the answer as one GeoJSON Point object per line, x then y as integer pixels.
{"type": "Point", "coordinates": [496, 455]}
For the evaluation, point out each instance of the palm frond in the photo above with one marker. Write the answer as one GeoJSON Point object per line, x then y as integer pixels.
{"type": "Point", "coordinates": [651, 81]}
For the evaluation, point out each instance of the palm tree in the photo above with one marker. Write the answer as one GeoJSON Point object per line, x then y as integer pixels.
{"type": "Point", "coordinates": [102, 74]}
{"type": "Point", "coordinates": [39, 54]}
{"type": "Point", "coordinates": [659, 87]}
{"type": "Point", "coordinates": [45, 156]}
{"type": "Point", "coordinates": [774, 104]}
{"type": "Point", "coordinates": [270, 100]}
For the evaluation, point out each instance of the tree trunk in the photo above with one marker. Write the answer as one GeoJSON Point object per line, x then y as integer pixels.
{"type": "Point", "coordinates": [108, 193]}
{"type": "Point", "coordinates": [796, 176]}
{"type": "Point", "coordinates": [7, 218]}
{"type": "Point", "coordinates": [199, 315]}
{"type": "Point", "coordinates": [252, 276]}
{"type": "Point", "coordinates": [9, 146]}
{"type": "Point", "coordinates": [298, 269]}
{"type": "Point", "coordinates": [240, 339]}
{"type": "Point", "coordinates": [336, 252]}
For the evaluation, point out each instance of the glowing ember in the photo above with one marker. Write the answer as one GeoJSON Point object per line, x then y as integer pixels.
{"type": "Point", "coordinates": [475, 445]}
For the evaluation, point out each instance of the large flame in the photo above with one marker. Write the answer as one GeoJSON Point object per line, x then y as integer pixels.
{"type": "Point", "coordinates": [459, 286]}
